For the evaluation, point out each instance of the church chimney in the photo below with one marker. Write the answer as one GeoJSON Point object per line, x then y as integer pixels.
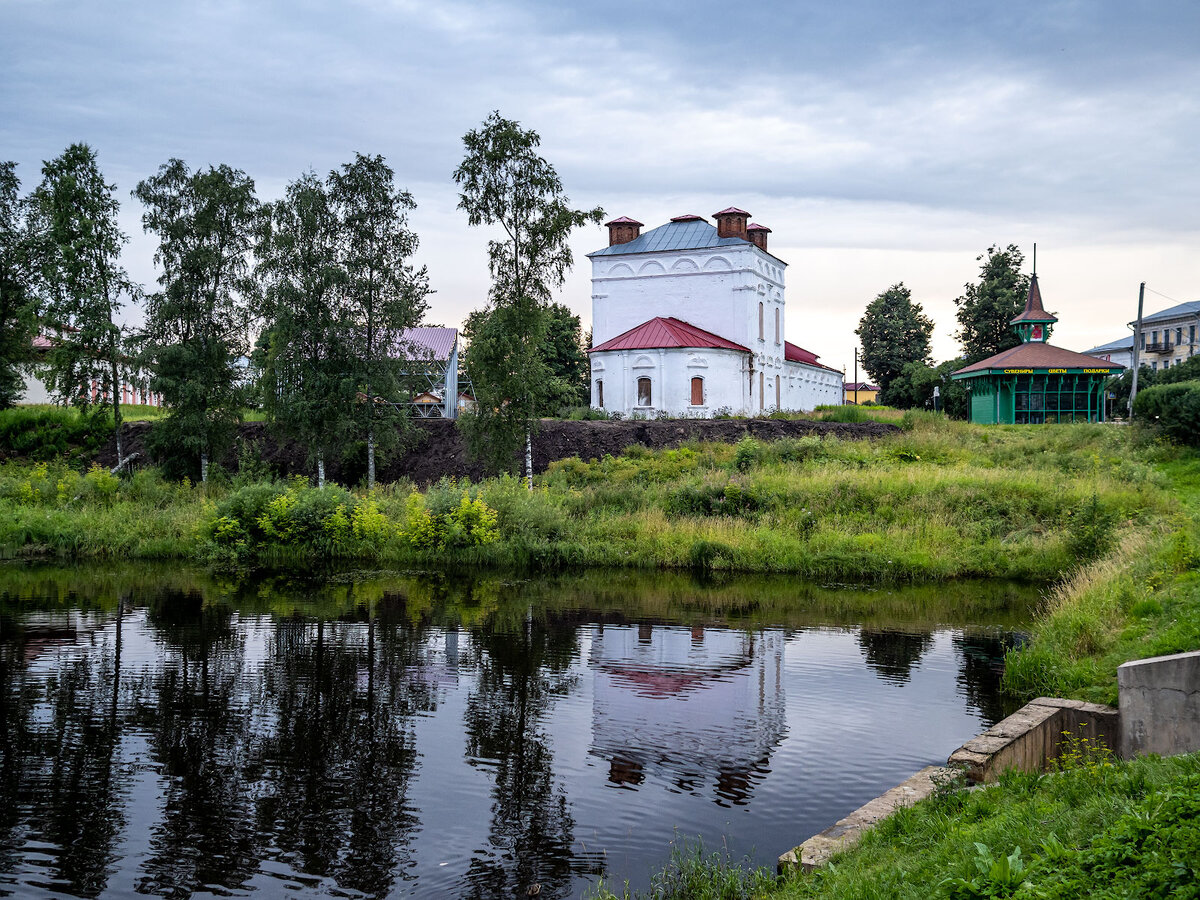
{"type": "Point", "coordinates": [758, 235]}
{"type": "Point", "coordinates": [732, 223]}
{"type": "Point", "coordinates": [623, 230]}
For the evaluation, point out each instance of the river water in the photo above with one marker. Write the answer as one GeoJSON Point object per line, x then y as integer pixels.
{"type": "Point", "coordinates": [166, 733]}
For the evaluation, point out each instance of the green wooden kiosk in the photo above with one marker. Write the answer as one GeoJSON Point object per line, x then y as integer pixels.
{"type": "Point", "coordinates": [1036, 383]}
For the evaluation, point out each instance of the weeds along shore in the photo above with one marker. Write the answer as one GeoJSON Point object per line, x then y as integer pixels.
{"type": "Point", "coordinates": [939, 500]}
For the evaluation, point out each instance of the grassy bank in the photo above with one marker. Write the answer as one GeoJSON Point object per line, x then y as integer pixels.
{"type": "Point", "coordinates": [1098, 828]}
{"type": "Point", "coordinates": [940, 500]}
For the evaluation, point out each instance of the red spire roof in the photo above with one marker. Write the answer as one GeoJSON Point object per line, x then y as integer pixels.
{"type": "Point", "coordinates": [1034, 311]}
{"type": "Point", "coordinates": [625, 220]}
{"type": "Point", "coordinates": [754, 226]}
{"type": "Point", "coordinates": [733, 210]}
{"type": "Point", "coordinates": [659, 333]}
{"type": "Point", "coordinates": [688, 217]}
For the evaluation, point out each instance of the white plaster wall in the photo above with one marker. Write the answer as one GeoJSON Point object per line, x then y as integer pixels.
{"type": "Point", "coordinates": [811, 386]}
{"type": "Point", "coordinates": [725, 373]}
{"type": "Point", "coordinates": [717, 289]}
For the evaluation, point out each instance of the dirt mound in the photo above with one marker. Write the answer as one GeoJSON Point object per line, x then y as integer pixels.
{"type": "Point", "coordinates": [438, 450]}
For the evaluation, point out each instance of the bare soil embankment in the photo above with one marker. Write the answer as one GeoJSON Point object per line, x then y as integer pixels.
{"type": "Point", "coordinates": [437, 449]}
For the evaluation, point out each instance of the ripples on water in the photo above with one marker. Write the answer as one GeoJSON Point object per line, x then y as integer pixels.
{"type": "Point", "coordinates": [166, 735]}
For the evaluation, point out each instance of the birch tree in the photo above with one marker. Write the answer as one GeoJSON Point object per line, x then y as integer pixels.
{"type": "Point", "coordinates": [382, 293]}
{"type": "Point", "coordinates": [197, 325]}
{"type": "Point", "coordinates": [17, 308]}
{"type": "Point", "coordinates": [504, 183]}
{"type": "Point", "coordinates": [78, 248]}
{"type": "Point", "coordinates": [310, 384]}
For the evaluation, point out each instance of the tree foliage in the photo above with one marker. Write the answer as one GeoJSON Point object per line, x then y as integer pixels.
{"type": "Point", "coordinates": [504, 183]}
{"type": "Point", "coordinates": [310, 385]}
{"type": "Point", "coordinates": [913, 389]}
{"type": "Point", "coordinates": [78, 248]}
{"type": "Point", "coordinates": [986, 307]}
{"type": "Point", "coordinates": [382, 294]}
{"type": "Point", "coordinates": [894, 332]}
{"type": "Point", "coordinates": [17, 308]}
{"type": "Point", "coordinates": [197, 325]}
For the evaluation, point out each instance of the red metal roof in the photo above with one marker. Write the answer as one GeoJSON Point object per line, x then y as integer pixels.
{"type": "Point", "coordinates": [754, 226]}
{"type": "Point", "coordinates": [793, 353]}
{"type": "Point", "coordinates": [733, 210]}
{"type": "Point", "coordinates": [624, 220]}
{"type": "Point", "coordinates": [659, 333]}
{"type": "Point", "coordinates": [688, 217]}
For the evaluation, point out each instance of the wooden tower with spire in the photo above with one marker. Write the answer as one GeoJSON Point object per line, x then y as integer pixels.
{"type": "Point", "coordinates": [1036, 383]}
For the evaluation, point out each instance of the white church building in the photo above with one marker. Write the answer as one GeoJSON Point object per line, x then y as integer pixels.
{"type": "Point", "coordinates": [688, 320]}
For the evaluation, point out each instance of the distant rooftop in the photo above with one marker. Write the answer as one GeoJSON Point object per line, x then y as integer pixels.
{"type": "Point", "coordinates": [1125, 343]}
{"type": "Point", "coordinates": [433, 341]}
{"type": "Point", "coordinates": [1183, 309]}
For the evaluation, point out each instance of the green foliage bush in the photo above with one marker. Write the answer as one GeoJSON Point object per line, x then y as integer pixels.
{"type": "Point", "coordinates": [45, 433]}
{"type": "Point", "coordinates": [1172, 408]}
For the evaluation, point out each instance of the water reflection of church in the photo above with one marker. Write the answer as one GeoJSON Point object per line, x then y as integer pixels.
{"type": "Point", "coordinates": [699, 708]}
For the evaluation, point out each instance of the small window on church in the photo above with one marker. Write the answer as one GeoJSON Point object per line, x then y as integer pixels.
{"type": "Point", "coordinates": [777, 404]}
{"type": "Point", "coordinates": [697, 391]}
{"type": "Point", "coordinates": [761, 335]}
{"type": "Point", "coordinates": [644, 396]}
{"type": "Point", "coordinates": [762, 382]}
{"type": "Point", "coordinates": [777, 324]}
{"type": "Point", "coordinates": [600, 393]}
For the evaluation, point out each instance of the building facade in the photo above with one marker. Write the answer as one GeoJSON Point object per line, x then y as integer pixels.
{"type": "Point", "coordinates": [689, 319]}
{"type": "Point", "coordinates": [1036, 383]}
{"type": "Point", "coordinates": [1118, 351]}
{"type": "Point", "coordinates": [1169, 337]}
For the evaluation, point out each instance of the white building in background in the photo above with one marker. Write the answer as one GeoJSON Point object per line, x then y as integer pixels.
{"type": "Point", "coordinates": [1118, 351]}
{"type": "Point", "coordinates": [1170, 337]}
{"type": "Point", "coordinates": [689, 320]}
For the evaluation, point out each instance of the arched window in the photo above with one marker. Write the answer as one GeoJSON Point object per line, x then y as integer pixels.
{"type": "Point", "coordinates": [644, 396]}
{"type": "Point", "coordinates": [762, 382]}
{"type": "Point", "coordinates": [761, 335]}
{"type": "Point", "coordinates": [600, 392]}
{"type": "Point", "coordinates": [697, 391]}
{"type": "Point", "coordinates": [777, 324]}
{"type": "Point", "coordinates": [777, 403]}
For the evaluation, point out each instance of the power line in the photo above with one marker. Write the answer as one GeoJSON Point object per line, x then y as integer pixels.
{"type": "Point", "coordinates": [1164, 296]}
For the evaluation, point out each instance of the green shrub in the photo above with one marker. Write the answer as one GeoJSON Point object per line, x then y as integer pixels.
{"type": "Point", "coordinates": [1172, 408]}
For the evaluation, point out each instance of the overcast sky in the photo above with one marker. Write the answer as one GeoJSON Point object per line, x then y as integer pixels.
{"type": "Point", "coordinates": [881, 141]}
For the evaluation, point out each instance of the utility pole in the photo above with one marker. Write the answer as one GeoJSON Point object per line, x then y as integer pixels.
{"type": "Point", "coordinates": [1137, 342]}
{"type": "Point", "coordinates": [856, 376]}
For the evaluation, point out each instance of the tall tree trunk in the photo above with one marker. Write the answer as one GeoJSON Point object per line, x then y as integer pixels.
{"type": "Point", "coordinates": [116, 404]}
{"type": "Point", "coordinates": [321, 473]}
{"type": "Point", "coordinates": [528, 459]}
{"type": "Point", "coordinates": [370, 458]}
{"type": "Point", "coordinates": [203, 466]}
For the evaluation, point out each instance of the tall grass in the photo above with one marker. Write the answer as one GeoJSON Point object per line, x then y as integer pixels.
{"type": "Point", "coordinates": [940, 500]}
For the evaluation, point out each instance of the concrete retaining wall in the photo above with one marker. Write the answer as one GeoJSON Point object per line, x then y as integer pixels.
{"type": "Point", "coordinates": [1034, 735]}
{"type": "Point", "coordinates": [1160, 705]}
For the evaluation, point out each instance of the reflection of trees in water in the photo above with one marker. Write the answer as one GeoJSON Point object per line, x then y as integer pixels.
{"type": "Point", "coordinates": [519, 675]}
{"type": "Point", "coordinates": [58, 780]}
{"type": "Point", "coordinates": [199, 732]}
{"type": "Point", "coordinates": [336, 767]}
{"type": "Point", "coordinates": [894, 653]}
{"type": "Point", "coordinates": [982, 669]}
